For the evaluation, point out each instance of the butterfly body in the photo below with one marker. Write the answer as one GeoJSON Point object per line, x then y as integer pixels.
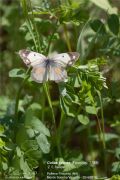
{"type": "Point", "coordinates": [49, 62]}
{"type": "Point", "coordinates": [48, 68]}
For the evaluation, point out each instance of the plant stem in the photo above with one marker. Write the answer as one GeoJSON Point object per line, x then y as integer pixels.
{"type": "Point", "coordinates": [103, 131]}
{"type": "Point", "coordinates": [53, 118]}
{"type": "Point", "coordinates": [19, 93]}
{"type": "Point", "coordinates": [50, 103]}
{"type": "Point", "coordinates": [43, 104]}
{"type": "Point", "coordinates": [38, 48]}
{"type": "Point", "coordinates": [29, 23]}
{"type": "Point", "coordinates": [49, 43]}
{"type": "Point", "coordinates": [67, 38]}
{"type": "Point", "coordinates": [91, 150]}
{"type": "Point", "coordinates": [70, 2]}
{"type": "Point", "coordinates": [98, 121]}
{"type": "Point", "coordinates": [61, 125]}
{"type": "Point", "coordinates": [102, 116]}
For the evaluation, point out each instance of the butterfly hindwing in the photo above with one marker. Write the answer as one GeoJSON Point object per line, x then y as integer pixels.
{"type": "Point", "coordinates": [31, 58]}
{"type": "Point", "coordinates": [39, 74]}
{"type": "Point", "coordinates": [66, 59]}
{"type": "Point", "coordinates": [57, 74]}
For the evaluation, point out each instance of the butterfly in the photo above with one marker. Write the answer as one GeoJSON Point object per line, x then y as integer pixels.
{"type": "Point", "coordinates": [45, 68]}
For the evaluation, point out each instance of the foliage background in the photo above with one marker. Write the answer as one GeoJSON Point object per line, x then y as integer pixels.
{"type": "Point", "coordinates": [73, 121]}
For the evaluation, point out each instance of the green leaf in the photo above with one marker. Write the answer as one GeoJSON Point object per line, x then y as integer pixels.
{"type": "Point", "coordinates": [35, 123]}
{"type": "Point", "coordinates": [30, 133]}
{"type": "Point", "coordinates": [81, 45]}
{"type": "Point", "coordinates": [1, 129]}
{"type": "Point", "coordinates": [2, 143]}
{"type": "Point", "coordinates": [35, 108]}
{"type": "Point", "coordinates": [27, 99]}
{"type": "Point", "coordinates": [30, 145]}
{"type": "Point", "coordinates": [34, 154]}
{"type": "Point", "coordinates": [66, 107]}
{"type": "Point", "coordinates": [16, 162]}
{"type": "Point", "coordinates": [4, 21]}
{"type": "Point", "coordinates": [104, 4]}
{"type": "Point", "coordinates": [91, 109]}
{"type": "Point", "coordinates": [83, 119]}
{"type": "Point", "coordinates": [113, 24]}
{"type": "Point", "coordinates": [98, 26]}
{"type": "Point", "coordinates": [21, 136]}
{"type": "Point", "coordinates": [43, 143]}
{"type": "Point", "coordinates": [115, 169]}
{"type": "Point", "coordinates": [17, 73]}
{"type": "Point", "coordinates": [10, 146]}
{"type": "Point", "coordinates": [69, 167]}
{"type": "Point", "coordinates": [108, 136]}
{"type": "Point", "coordinates": [27, 172]}
{"type": "Point", "coordinates": [19, 153]}
{"type": "Point", "coordinates": [4, 166]}
{"type": "Point", "coordinates": [117, 152]}
{"type": "Point", "coordinates": [116, 177]}
{"type": "Point", "coordinates": [4, 106]}
{"type": "Point", "coordinates": [33, 163]}
{"type": "Point", "coordinates": [75, 81]}
{"type": "Point", "coordinates": [28, 37]}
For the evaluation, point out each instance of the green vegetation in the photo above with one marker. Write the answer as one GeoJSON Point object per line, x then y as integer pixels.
{"type": "Point", "coordinates": [77, 121]}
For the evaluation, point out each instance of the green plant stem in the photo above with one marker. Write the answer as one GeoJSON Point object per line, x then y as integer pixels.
{"type": "Point", "coordinates": [43, 104]}
{"type": "Point", "coordinates": [70, 2]}
{"type": "Point", "coordinates": [90, 45]}
{"type": "Point", "coordinates": [38, 48]}
{"type": "Point", "coordinates": [49, 43]}
{"type": "Point", "coordinates": [98, 121]}
{"type": "Point", "coordinates": [50, 103]}
{"type": "Point", "coordinates": [53, 118]}
{"type": "Point", "coordinates": [19, 93]}
{"type": "Point", "coordinates": [99, 125]}
{"type": "Point", "coordinates": [60, 130]}
{"type": "Point", "coordinates": [67, 38]}
{"type": "Point", "coordinates": [103, 123]}
{"type": "Point", "coordinates": [91, 150]}
{"type": "Point", "coordinates": [29, 23]}
{"type": "Point", "coordinates": [80, 39]}
{"type": "Point", "coordinates": [103, 131]}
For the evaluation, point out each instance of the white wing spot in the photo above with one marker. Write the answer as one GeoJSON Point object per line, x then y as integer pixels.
{"type": "Point", "coordinates": [24, 55]}
{"type": "Point", "coordinates": [73, 57]}
{"type": "Point", "coordinates": [27, 61]}
{"type": "Point", "coordinates": [70, 63]}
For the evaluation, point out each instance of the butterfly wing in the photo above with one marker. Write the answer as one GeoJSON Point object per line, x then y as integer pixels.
{"type": "Point", "coordinates": [66, 59]}
{"type": "Point", "coordinates": [57, 70]}
{"type": "Point", "coordinates": [31, 58]}
{"type": "Point", "coordinates": [39, 74]}
{"type": "Point", "coordinates": [57, 73]}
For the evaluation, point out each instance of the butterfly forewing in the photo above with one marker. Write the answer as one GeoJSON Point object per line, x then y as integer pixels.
{"type": "Point", "coordinates": [31, 58]}
{"type": "Point", "coordinates": [66, 59]}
